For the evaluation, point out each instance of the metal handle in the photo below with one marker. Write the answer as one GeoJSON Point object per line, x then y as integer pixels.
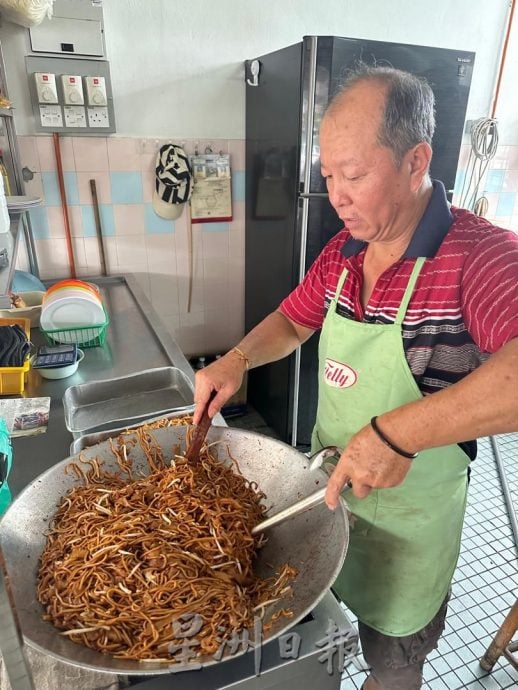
{"type": "Point", "coordinates": [318, 458]}
{"type": "Point", "coordinates": [310, 501]}
{"type": "Point", "coordinates": [297, 508]}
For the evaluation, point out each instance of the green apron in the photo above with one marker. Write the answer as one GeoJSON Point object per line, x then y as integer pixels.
{"type": "Point", "coordinates": [404, 541]}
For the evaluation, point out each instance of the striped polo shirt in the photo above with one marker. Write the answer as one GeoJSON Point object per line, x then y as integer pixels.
{"type": "Point", "coordinates": [464, 305]}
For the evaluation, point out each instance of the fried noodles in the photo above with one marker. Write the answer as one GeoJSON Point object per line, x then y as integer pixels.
{"type": "Point", "coordinates": [128, 554]}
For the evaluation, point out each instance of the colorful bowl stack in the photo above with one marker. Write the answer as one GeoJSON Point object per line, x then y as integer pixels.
{"type": "Point", "coordinates": [72, 304]}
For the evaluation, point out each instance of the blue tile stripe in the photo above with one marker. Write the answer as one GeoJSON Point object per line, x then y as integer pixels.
{"type": "Point", "coordinates": [50, 189]}
{"type": "Point", "coordinates": [214, 227]}
{"type": "Point", "coordinates": [506, 203]}
{"type": "Point", "coordinates": [52, 196]}
{"type": "Point", "coordinates": [154, 224]}
{"type": "Point", "coordinates": [107, 220]}
{"type": "Point", "coordinates": [87, 216]}
{"type": "Point", "coordinates": [126, 187]}
{"type": "Point", "coordinates": [495, 180]}
{"type": "Point", "coordinates": [39, 223]}
{"type": "Point", "coordinates": [238, 185]}
{"type": "Point", "coordinates": [71, 190]}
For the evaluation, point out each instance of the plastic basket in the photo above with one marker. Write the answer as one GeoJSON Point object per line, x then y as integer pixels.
{"type": "Point", "coordinates": [83, 336]}
{"type": "Point", "coordinates": [12, 379]}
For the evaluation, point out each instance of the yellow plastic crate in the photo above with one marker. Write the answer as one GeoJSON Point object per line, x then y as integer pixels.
{"type": "Point", "coordinates": [12, 379]}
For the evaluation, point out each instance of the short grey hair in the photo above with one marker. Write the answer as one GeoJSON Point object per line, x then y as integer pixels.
{"type": "Point", "coordinates": [409, 116]}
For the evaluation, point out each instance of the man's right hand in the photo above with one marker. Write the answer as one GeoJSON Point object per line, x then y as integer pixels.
{"type": "Point", "coordinates": [224, 375]}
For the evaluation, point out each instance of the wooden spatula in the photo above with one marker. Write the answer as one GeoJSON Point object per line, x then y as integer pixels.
{"type": "Point", "coordinates": [193, 452]}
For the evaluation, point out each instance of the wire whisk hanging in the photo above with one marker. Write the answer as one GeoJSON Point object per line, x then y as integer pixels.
{"type": "Point", "coordinates": [484, 143]}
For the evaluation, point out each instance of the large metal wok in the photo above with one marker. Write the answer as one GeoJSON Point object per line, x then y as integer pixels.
{"type": "Point", "coordinates": [315, 542]}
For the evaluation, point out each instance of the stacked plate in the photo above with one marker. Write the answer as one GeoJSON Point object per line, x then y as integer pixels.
{"type": "Point", "coordinates": [71, 304]}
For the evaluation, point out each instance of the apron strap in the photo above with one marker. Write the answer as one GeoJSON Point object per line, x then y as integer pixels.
{"type": "Point", "coordinates": [409, 289]}
{"type": "Point", "coordinates": [340, 285]}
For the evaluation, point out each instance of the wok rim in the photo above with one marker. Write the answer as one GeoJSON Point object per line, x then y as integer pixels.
{"type": "Point", "coordinates": [135, 667]}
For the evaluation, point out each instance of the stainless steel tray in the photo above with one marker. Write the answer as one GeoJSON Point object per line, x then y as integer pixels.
{"type": "Point", "coordinates": [152, 392]}
{"type": "Point", "coordinates": [95, 437]}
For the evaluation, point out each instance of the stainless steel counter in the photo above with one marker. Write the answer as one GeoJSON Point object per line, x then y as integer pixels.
{"type": "Point", "coordinates": [136, 339]}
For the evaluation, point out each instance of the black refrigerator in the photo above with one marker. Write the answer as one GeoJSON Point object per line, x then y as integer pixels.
{"type": "Point", "coordinates": [288, 216]}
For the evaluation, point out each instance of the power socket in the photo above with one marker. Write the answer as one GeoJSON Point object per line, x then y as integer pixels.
{"type": "Point", "coordinates": [98, 117]}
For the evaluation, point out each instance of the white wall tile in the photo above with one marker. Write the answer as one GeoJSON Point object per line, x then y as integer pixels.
{"type": "Point", "coordinates": [131, 251]}
{"type": "Point", "coordinates": [215, 245]}
{"type": "Point", "coordinates": [161, 254]}
{"type": "Point", "coordinates": [128, 219]}
{"type": "Point", "coordinates": [52, 258]}
{"type": "Point", "coordinates": [236, 148]}
{"type": "Point", "coordinates": [29, 153]}
{"type": "Point", "coordinates": [91, 154]}
{"type": "Point", "coordinates": [123, 153]}
{"type": "Point", "coordinates": [164, 293]}
{"type": "Point", "coordinates": [56, 222]}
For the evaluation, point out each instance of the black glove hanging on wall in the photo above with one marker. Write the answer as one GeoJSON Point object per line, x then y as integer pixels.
{"type": "Point", "coordinates": [14, 346]}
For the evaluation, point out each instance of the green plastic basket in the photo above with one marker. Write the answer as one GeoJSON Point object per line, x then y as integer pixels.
{"type": "Point", "coordinates": [83, 336]}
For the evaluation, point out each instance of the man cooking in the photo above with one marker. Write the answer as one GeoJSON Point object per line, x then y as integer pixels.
{"type": "Point", "coordinates": [411, 297]}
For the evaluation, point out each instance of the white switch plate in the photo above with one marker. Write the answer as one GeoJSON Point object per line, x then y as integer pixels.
{"type": "Point", "coordinates": [46, 87]}
{"type": "Point", "coordinates": [96, 91]}
{"type": "Point", "coordinates": [98, 117]}
{"type": "Point", "coordinates": [51, 116]}
{"type": "Point", "coordinates": [75, 116]}
{"type": "Point", "coordinates": [72, 89]}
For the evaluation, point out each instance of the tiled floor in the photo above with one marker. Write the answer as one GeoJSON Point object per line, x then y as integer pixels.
{"type": "Point", "coordinates": [485, 584]}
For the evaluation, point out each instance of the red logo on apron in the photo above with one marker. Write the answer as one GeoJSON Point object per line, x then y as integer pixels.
{"type": "Point", "coordinates": [339, 375]}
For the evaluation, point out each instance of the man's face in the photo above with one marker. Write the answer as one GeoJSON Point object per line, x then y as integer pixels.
{"type": "Point", "coordinates": [369, 192]}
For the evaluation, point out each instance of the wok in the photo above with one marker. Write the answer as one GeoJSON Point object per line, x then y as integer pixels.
{"type": "Point", "coordinates": [314, 542]}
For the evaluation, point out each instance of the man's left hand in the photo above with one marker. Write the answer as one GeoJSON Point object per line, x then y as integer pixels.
{"type": "Point", "coordinates": [367, 463]}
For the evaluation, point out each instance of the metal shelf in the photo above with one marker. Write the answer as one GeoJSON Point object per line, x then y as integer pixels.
{"type": "Point", "coordinates": [9, 242]}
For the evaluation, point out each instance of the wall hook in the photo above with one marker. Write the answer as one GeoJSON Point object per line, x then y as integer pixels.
{"type": "Point", "coordinates": [255, 68]}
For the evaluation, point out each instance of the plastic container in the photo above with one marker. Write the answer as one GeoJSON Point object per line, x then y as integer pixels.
{"type": "Point", "coordinates": [12, 379]}
{"type": "Point", "coordinates": [25, 282]}
{"type": "Point", "coordinates": [84, 336]}
{"type": "Point", "coordinates": [32, 311]}
{"type": "Point", "coordinates": [60, 372]}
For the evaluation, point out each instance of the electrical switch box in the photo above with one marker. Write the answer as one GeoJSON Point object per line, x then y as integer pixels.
{"type": "Point", "coordinates": [96, 91]}
{"type": "Point", "coordinates": [75, 29]}
{"type": "Point", "coordinates": [71, 95]}
{"type": "Point", "coordinates": [72, 89]}
{"type": "Point", "coordinates": [46, 87]}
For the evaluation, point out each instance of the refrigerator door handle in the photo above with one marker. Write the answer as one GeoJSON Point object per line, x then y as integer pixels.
{"type": "Point", "coordinates": [308, 111]}
{"type": "Point", "coordinates": [304, 215]}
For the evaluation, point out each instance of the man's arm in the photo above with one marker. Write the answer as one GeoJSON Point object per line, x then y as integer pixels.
{"type": "Point", "coordinates": [484, 403]}
{"type": "Point", "coordinates": [274, 338]}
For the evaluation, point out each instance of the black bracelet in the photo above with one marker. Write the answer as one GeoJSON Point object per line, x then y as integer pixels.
{"type": "Point", "coordinates": [382, 437]}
